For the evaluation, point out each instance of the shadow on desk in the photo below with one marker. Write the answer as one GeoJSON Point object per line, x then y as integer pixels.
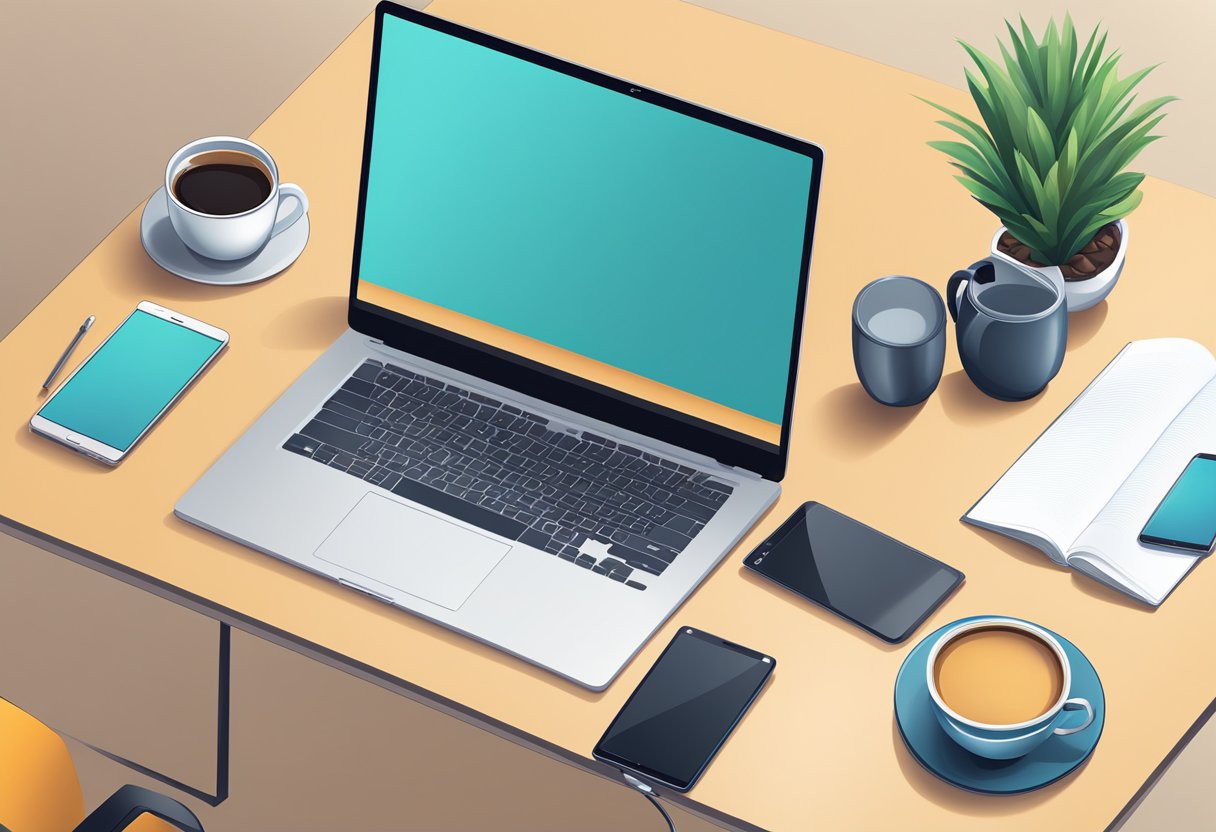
{"type": "Point", "coordinates": [965, 404]}
{"type": "Point", "coordinates": [54, 454]}
{"type": "Point", "coordinates": [1082, 326]}
{"type": "Point", "coordinates": [1104, 593]}
{"type": "Point", "coordinates": [136, 274]}
{"type": "Point", "coordinates": [860, 424]}
{"type": "Point", "coordinates": [1032, 556]}
{"type": "Point", "coordinates": [1021, 551]}
{"type": "Point", "coordinates": [311, 324]}
{"type": "Point", "coordinates": [964, 802]}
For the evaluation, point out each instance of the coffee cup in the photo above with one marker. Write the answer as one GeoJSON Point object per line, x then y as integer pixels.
{"type": "Point", "coordinates": [1000, 687]}
{"type": "Point", "coordinates": [225, 199]}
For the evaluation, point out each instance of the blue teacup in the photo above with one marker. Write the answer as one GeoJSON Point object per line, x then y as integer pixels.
{"type": "Point", "coordinates": [1008, 741]}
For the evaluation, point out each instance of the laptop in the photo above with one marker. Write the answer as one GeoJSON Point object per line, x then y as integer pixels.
{"type": "Point", "coordinates": [566, 386]}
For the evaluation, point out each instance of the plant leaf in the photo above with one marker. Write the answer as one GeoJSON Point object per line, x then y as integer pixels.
{"type": "Point", "coordinates": [1057, 129]}
{"type": "Point", "coordinates": [1042, 148]}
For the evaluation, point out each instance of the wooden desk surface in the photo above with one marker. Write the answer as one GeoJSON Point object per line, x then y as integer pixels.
{"type": "Point", "coordinates": [820, 746]}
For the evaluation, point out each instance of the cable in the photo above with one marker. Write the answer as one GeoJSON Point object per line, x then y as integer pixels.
{"type": "Point", "coordinates": [671, 827]}
{"type": "Point", "coordinates": [648, 793]}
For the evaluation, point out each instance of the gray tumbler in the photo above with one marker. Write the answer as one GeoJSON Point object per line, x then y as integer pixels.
{"type": "Point", "coordinates": [899, 339]}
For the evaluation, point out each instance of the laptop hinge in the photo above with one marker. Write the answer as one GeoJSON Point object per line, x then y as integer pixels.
{"type": "Point", "coordinates": [743, 472]}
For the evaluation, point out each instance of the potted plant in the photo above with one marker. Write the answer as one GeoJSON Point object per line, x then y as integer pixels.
{"type": "Point", "coordinates": [1059, 128]}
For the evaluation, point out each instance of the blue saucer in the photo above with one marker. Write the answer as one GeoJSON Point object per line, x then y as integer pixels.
{"type": "Point", "coordinates": [929, 744]}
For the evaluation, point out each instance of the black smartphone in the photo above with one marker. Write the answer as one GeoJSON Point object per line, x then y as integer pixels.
{"type": "Point", "coordinates": [673, 724]}
{"type": "Point", "coordinates": [883, 586]}
{"type": "Point", "coordinates": [1186, 518]}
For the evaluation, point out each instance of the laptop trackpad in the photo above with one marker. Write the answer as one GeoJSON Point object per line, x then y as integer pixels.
{"type": "Point", "coordinates": [413, 551]}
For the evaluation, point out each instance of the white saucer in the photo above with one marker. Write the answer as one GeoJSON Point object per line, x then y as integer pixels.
{"type": "Point", "coordinates": [171, 254]}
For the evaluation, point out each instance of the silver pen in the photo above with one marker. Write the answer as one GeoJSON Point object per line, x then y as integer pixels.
{"type": "Point", "coordinates": [63, 359]}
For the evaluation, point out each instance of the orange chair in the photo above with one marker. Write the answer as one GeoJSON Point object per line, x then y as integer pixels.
{"type": "Point", "coordinates": [39, 790]}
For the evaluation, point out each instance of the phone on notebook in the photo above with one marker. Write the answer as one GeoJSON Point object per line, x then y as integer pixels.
{"type": "Point", "coordinates": [129, 382]}
{"type": "Point", "coordinates": [1186, 518]}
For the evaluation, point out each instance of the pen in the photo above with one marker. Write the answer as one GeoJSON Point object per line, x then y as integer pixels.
{"type": "Point", "coordinates": [63, 359]}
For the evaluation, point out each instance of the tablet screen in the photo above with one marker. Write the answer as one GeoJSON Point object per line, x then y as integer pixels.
{"type": "Point", "coordinates": [873, 580]}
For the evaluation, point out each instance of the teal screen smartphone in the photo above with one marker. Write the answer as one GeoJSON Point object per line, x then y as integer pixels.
{"type": "Point", "coordinates": [121, 389]}
{"type": "Point", "coordinates": [1186, 518]}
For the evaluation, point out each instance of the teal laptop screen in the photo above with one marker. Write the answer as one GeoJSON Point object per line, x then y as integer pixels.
{"type": "Point", "coordinates": [1188, 512]}
{"type": "Point", "coordinates": [123, 386]}
{"type": "Point", "coordinates": [583, 228]}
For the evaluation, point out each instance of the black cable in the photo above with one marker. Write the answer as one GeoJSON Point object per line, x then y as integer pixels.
{"type": "Point", "coordinates": [671, 827]}
{"type": "Point", "coordinates": [648, 793]}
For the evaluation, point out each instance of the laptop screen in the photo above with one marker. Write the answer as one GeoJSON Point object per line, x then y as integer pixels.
{"type": "Point", "coordinates": [624, 243]}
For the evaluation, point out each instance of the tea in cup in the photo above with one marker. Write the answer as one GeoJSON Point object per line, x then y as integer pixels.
{"type": "Point", "coordinates": [1000, 686]}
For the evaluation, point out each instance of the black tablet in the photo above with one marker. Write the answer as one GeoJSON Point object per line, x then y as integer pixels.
{"type": "Point", "coordinates": [881, 585]}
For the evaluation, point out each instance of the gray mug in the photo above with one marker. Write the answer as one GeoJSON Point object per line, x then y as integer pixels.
{"type": "Point", "coordinates": [1011, 326]}
{"type": "Point", "coordinates": [899, 339]}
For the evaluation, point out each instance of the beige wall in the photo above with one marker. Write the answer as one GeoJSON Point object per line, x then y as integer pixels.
{"type": "Point", "coordinates": [920, 37]}
{"type": "Point", "coordinates": [97, 95]}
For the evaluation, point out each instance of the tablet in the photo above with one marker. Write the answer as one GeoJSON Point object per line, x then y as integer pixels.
{"type": "Point", "coordinates": [881, 585]}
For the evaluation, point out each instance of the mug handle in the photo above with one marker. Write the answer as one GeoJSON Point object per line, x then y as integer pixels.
{"type": "Point", "coordinates": [1077, 704]}
{"type": "Point", "coordinates": [286, 191]}
{"type": "Point", "coordinates": [957, 285]}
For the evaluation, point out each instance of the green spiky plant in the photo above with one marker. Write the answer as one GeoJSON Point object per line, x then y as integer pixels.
{"type": "Point", "coordinates": [1060, 129]}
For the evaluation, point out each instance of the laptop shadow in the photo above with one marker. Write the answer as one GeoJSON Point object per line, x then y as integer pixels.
{"type": "Point", "coordinates": [311, 324]}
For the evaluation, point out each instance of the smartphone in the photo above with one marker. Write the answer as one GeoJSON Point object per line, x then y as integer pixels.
{"type": "Point", "coordinates": [124, 387]}
{"type": "Point", "coordinates": [673, 724]}
{"type": "Point", "coordinates": [1186, 518]}
{"type": "Point", "coordinates": [883, 586]}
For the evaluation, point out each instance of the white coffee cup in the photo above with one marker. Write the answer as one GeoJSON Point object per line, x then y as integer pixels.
{"type": "Point", "coordinates": [231, 236]}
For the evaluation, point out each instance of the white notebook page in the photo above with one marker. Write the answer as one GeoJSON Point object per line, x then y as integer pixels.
{"type": "Point", "coordinates": [1065, 478]}
{"type": "Point", "coordinates": [1114, 535]}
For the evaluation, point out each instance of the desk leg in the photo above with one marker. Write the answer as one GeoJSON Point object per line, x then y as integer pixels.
{"type": "Point", "coordinates": [223, 719]}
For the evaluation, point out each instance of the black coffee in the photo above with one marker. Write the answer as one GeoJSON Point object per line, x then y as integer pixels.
{"type": "Point", "coordinates": [1017, 298]}
{"type": "Point", "coordinates": [230, 183]}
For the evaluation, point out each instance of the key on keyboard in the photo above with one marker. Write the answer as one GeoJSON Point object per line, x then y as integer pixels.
{"type": "Point", "coordinates": [505, 470]}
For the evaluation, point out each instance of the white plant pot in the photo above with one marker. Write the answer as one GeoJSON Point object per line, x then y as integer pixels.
{"type": "Point", "coordinates": [1082, 294]}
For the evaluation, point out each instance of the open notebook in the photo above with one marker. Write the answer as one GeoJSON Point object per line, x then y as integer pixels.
{"type": "Point", "coordinates": [1086, 487]}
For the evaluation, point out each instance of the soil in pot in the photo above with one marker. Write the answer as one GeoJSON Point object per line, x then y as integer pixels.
{"type": "Point", "coordinates": [1096, 256]}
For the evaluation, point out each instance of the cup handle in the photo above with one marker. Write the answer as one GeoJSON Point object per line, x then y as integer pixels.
{"type": "Point", "coordinates": [957, 284]}
{"type": "Point", "coordinates": [286, 221]}
{"type": "Point", "coordinates": [1077, 704]}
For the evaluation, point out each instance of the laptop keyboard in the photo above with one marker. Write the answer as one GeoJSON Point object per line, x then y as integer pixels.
{"type": "Point", "coordinates": [504, 470]}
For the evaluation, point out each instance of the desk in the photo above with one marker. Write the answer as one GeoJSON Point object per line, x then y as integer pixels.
{"type": "Point", "coordinates": [820, 746]}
